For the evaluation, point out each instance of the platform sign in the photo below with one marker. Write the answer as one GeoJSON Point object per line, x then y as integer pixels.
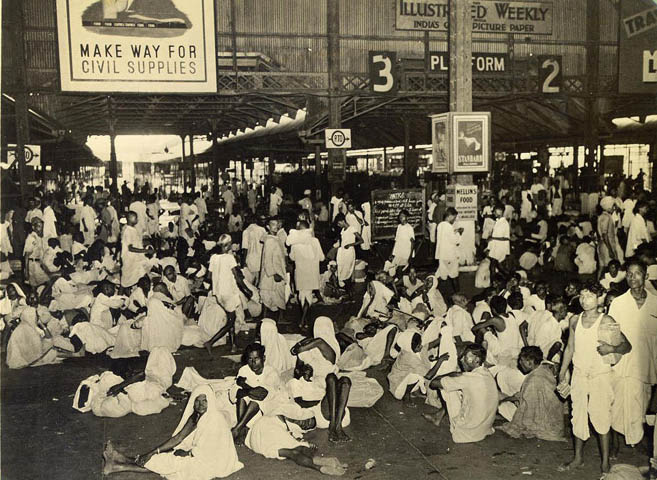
{"type": "Point", "coordinates": [338, 137]}
{"type": "Point", "coordinates": [382, 70]}
{"type": "Point", "coordinates": [637, 56]}
{"type": "Point", "coordinates": [32, 156]}
{"type": "Point", "coordinates": [481, 62]}
{"type": "Point", "coordinates": [140, 46]}
{"type": "Point", "coordinates": [488, 16]}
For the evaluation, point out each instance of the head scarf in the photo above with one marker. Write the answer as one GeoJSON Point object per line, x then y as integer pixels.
{"type": "Point", "coordinates": [324, 329]}
{"type": "Point", "coordinates": [160, 367]}
{"type": "Point", "coordinates": [405, 340]}
{"type": "Point", "coordinates": [24, 345]}
{"type": "Point", "coordinates": [211, 442]}
{"type": "Point", "coordinates": [607, 203]}
{"type": "Point", "coordinates": [277, 351]}
{"type": "Point", "coordinates": [19, 290]}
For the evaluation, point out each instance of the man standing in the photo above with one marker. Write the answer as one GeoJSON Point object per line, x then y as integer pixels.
{"type": "Point", "coordinates": [275, 200]}
{"type": "Point", "coordinates": [447, 249]}
{"type": "Point", "coordinates": [591, 384]}
{"type": "Point", "coordinates": [252, 247]}
{"type": "Point", "coordinates": [88, 221]}
{"type": "Point", "coordinates": [471, 398]}
{"type": "Point", "coordinates": [636, 372]}
{"type": "Point", "coordinates": [227, 283]}
{"type": "Point", "coordinates": [229, 199]}
{"type": "Point", "coordinates": [133, 254]}
{"type": "Point", "coordinates": [499, 243]}
{"type": "Point", "coordinates": [201, 207]}
{"type": "Point", "coordinates": [139, 207]}
{"type": "Point", "coordinates": [273, 271]}
{"type": "Point", "coordinates": [306, 252]}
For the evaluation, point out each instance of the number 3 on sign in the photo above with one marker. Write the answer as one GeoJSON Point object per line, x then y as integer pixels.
{"type": "Point", "coordinates": [550, 75]}
{"type": "Point", "coordinates": [382, 71]}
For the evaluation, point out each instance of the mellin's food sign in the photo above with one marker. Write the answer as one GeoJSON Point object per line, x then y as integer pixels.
{"type": "Point", "coordinates": [137, 45]}
{"type": "Point", "coordinates": [487, 16]}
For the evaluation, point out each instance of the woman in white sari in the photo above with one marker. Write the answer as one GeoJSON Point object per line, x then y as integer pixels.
{"type": "Point", "coordinates": [201, 447]}
{"type": "Point", "coordinates": [27, 346]}
{"type": "Point", "coordinates": [278, 351]}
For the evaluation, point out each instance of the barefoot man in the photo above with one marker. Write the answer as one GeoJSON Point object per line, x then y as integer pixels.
{"type": "Point", "coordinates": [591, 384]}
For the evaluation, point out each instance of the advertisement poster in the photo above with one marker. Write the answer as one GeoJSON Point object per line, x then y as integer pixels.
{"type": "Point", "coordinates": [470, 142]}
{"type": "Point", "coordinates": [440, 143]}
{"type": "Point", "coordinates": [637, 57]}
{"type": "Point", "coordinates": [137, 46]}
{"type": "Point", "coordinates": [488, 16]}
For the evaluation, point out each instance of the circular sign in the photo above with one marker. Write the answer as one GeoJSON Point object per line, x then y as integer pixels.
{"type": "Point", "coordinates": [338, 138]}
{"type": "Point", "coordinates": [29, 155]}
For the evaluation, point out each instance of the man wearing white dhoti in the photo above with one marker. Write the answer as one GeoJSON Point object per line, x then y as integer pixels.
{"type": "Point", "coordinates": [306, 253]}
{"type": "Point", "coordinates": [635, 373]}
{"type": "Point", "coordinates": [135, 263]}
{"type": "Point", "coordinates": [447, 248]}
{"type": "Point", "coordinates": [33, 251]}
{"type": "Point", "coordinates": [88, 221]}
{"type": "Point", "coordinates": [591, 384]}
{"type": "Point", "coordinates": [499, 243]}
{"type": "Point", "coordinates": [403, 249]}
{"type": "Point", "coordinates": [273, 271]}
{"type": "Point", "coordinates": [252, 247]}
{"type": "Point", "coordinates": [346, 256]}
{"type": "Point", "coordinates": [49, 219]}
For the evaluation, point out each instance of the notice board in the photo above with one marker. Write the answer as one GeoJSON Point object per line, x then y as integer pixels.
{"type": "Point", "coordinates": [386, 205]}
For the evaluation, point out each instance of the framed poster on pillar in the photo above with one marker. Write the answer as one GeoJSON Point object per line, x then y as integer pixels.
{"type": "Point", "coordinates": [470, 141]}
{"type": "Point", "coordinates": [440, 143]}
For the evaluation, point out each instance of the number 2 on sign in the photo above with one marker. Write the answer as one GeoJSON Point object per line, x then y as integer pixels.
{"type": "Point", "coordinates": [384, 73]}
{"type": "Point", "coordinates": [556, 68]}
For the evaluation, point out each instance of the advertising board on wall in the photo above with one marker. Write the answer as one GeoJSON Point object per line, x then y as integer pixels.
{"type": "Point", "coordinates": [488, 16]}
{"type": "Point", "coordinates": [637, 56]}
{"type": "Point", "coordinates": [165, 46]}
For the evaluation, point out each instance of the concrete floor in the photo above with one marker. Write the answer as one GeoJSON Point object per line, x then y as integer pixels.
{"type": "Point", "coordinates": [43, 437]}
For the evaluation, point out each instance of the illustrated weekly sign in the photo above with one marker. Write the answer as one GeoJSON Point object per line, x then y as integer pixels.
{"type": "Point", "coordinates": [137, 46]}
{"type": "Point", "coordinates": [488, 16]}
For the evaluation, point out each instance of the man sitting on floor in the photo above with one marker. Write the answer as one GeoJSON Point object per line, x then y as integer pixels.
{"type": "Point", "coordinates": [536, 411]}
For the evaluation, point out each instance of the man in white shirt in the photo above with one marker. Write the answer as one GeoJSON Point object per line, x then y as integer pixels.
{"type": "Point", "coordinates": [471, 398]}
{"type": "Point", "coordinates": [306, 253]}
{"type": "Point", "coordinates": [252, 247]}
{"type": "Point", "coordinates": [139, 207]}
{"type": "Point", "coordinates": [229, 199]}
{"type": "Point", "coordinates": [227, 283]}
{"type": "Point", "coordinates": [460, 319]}
{"type": "Point", "coordinates": [447, 248]}
{"type": "Point", "coordinates": [636, 372]}
{"type": "Point", "coordinates": [542, 329]}
{"type": "Point", "coordinates": [88, 221]}
{"type": "Point", "coordinates": [201, 207]}
{"type": "Point", "coordinates": [336, 204]}
{"type": "Point", "coordinates": [275, 201]}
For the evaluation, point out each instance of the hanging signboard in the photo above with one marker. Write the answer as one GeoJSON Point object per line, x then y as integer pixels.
{"type": "Point", "coordinates": [440, 143]}
{"type": "Point", "coordinates": [139, 46]}
{"type": "Point", "coordinates": [464, 199]}
{"type": "Point", "coordinates": [470, 137]}
{"type": "Point", "coordinates": [32, 156]}
{"type": "Point", "coordinates": [637, 56]}
{"type": "Point", "coordinates": [488, 16]}
{"type": "Point", "coordinates": [337, 165]}
{"type": "Point", "coordinates": [337, 137]}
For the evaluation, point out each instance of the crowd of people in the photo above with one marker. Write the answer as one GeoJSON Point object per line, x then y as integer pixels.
{"type": "Point", "coordinates": [563, 321]}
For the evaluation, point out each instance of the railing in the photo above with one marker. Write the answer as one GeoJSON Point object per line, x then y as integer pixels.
{"type": "Point", "coordinates": [409, 82]}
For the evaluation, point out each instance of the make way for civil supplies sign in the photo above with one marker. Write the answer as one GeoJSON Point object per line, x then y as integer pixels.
{"type": "Point", "coordinates": [137, 46]}
{"type": "Point", "coordinates": [488, 16]}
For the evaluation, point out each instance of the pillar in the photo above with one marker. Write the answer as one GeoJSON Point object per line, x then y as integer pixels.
{"type": "Point", "coordinates": [20, 105]}
{"type": "Point", "coordinates": [407, 136]}
{"type": "Point", "coordinates": [182, 165]}
{"type": "Point", "coordinates": [192, 159]}
{"type": "Point", "coordinates": [460, 94]}
{"type": "Point", "coordinates": [336, 157]}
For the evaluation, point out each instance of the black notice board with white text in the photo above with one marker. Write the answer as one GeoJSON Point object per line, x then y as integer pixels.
{"type": "Point", "coordinates": [386, 205]}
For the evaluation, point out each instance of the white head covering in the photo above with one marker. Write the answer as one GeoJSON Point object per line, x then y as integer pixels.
{"type": "Point", "coordinates": [211, 442]}
{"type": "Point", "coordinates": [607, 203]}
{"type": "Point", "coordinates": [160, 367]}
{"type": "Point", "coordinates": [277, 352]}
{"type": "Point", "coordinates": [307, 192]}
{"type": "Point", "coordinates": [405, 340]}
{"type": "Point", "coordinates": [324, 329]}
{"type": "Point", "coordinates": [19, 290]}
